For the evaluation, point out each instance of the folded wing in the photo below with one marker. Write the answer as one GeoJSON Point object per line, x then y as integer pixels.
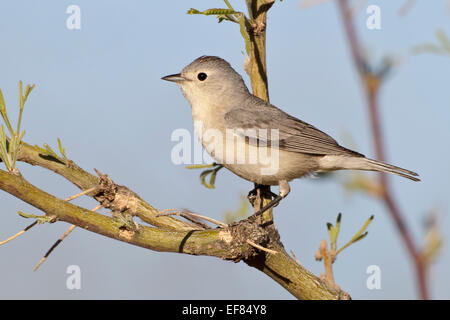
{"type": "Point", "coordinates": [293, 134]}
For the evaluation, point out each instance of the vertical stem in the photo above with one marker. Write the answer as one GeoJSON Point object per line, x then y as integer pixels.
{"type": "Point", "coordinates": [328, 264]}
{"type": "Point", "coordinates": [256, 28]}
{"type": "Point", "coordinates": [257, 10]}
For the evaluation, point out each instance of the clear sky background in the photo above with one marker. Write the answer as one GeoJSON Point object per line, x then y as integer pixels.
{"type": "Point", "coordinates": [99, 90]}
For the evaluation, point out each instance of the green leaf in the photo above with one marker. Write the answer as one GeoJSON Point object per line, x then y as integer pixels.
{"type": "Point", "coordinates": [4, 154]}
{"type": "Point", "coordinates": [213, 11]}
{"type": "Point", "coordinates": [61, 149]}
{"type": "Point", "coordinates": [359, 235]}
{"type": "Point", "coordinates": [333, 232]}
{"type": "Point", "coordinates": [48, 151]}
{"type": "Point", "coordinates": [243, 29]}
{"type": "Point", "coordinates": [201, 166]}
{"type": "Point", "coordinates": [203, 176]}
{"type": "Point", "coordinates": [39, 219]}
{"type": "Point", "coordinates": [5, 114]}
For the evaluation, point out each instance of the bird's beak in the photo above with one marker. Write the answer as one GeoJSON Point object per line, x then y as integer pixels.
{"type": "Point", "coordinates": [174, 78]}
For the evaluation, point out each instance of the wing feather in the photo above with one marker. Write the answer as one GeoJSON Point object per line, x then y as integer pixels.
{"type": "Point", "coordinates": [293, 134]}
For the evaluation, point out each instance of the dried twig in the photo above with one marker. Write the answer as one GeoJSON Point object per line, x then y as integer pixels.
{"type": "Point", "coordinates": [19, 233]}
{"type": "Point", "coordinates": [188, 215]}
{"type": "Point", "coordinates": [324, 254]}
{"type": "Point", "coordinates": [250, 242]}
{"type": "Point", "coordinates": [71, 228]}
{"type": "Point", "coordinates": [295, 257]}
{"type": "Point", "coordinates": [80, 194]}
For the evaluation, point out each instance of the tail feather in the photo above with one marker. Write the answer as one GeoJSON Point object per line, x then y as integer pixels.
{"type": "Point", "coordinates": [333, 162]}
{"type": "Point", "coordinates": [381, 166]}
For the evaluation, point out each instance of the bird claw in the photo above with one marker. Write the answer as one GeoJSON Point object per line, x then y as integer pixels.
{"type": "Point", "coordinates": [252, 194]}
{"type": "Point", "coordinates": [270, 205]}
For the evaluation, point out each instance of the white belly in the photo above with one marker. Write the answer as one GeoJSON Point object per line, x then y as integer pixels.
{"type": "Point", "coordinates": [262, 164]}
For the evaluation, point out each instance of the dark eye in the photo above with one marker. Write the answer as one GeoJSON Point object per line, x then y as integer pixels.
{"type": "Point", "coordinates": [202, 76]}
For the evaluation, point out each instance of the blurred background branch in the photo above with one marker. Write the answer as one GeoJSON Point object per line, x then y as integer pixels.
{"type": "Point", "coordinates": [371, 83]}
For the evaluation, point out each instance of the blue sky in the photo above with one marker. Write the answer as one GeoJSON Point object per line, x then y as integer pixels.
{"type": "Point", "coordinates": [99, 90]}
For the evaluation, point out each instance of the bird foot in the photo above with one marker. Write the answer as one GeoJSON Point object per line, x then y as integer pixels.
{"type": "Point", "coordinates": [254, 193]}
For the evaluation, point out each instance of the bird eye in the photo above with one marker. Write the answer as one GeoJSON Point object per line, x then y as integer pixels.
{"type": "Point", "coordinates": [201, 76]}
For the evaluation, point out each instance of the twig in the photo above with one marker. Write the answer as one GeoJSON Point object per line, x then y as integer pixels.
{"type": "Point", "coordinates": [34, 223]}
{"type": "Point", "coordinates": [186, 213]}
{"type": "Point", "coordinates": [80, 194]}
{"type": "Point", "coordinates": [60, 240]}
{"type": "Point", "coordinates": [85, 180]}
{"type": "Point", "coordinates": [295, 257]}
{"type": "Point", "coordinates": [328, 263]}
{"type": "Point", "coordinates": [250, 242]}
{"type": "Point", "coordinates": [54, 246]}
{"type": "Point", "coordinates": [19, 233]}
{"type": "Point", "coordinates": [372, 102]}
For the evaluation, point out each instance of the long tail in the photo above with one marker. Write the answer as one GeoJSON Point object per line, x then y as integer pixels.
{"type": "Point", "coordinates": [375, 165]}
{"type": "Point", "coordinates": [332, 162]}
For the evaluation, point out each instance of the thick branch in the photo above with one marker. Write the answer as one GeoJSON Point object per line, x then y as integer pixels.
{"type": "Point", "coordinates": [226, 243]}
{"type": "Point", "coordinates": [84, 180]}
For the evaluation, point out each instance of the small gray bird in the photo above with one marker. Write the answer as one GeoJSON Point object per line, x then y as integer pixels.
{"type": "Point", "coordinates": [256, 140]}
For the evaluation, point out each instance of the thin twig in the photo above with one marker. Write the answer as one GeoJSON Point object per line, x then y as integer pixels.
{"type": "Point", "coordinates": [327, 262]}
{"type": "Point", "coordinates": [295, 257]}
{"type": "Point", "coordinates": [54, 246]}
{"type": "Point", "coordinates": [250, 242]}
{"type": "Point", "coordinates": [186, 213]}
{"type": "Point", "coordinates": [71, 228]}
{"type": "Point", "coordinates": [19, 233]}
{"type": "Point", "coordinates": [183, 213]}
{"type": "Point", "coordinates": [80, 194]}
{"type": "Point", "coordinates": [34, 223]}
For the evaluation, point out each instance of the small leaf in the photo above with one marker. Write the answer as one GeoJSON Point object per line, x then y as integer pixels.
{"type": "Point", "coordinates": [244, 33]}
{"type": "Point", "coordinates": [4, 114]}
{"type": "Point", "coordinates": [212, 180]}
{"type": "Point", "coordinates": [193, 11]}
{"type": "Point", "coordinates": [201, 166]}
{"type": "Point", "coordinates": [338, 220]}
{"type": "Point", "coordinates": [213, 11]}
{"type": "Point", "coordinates": [4, 154]}
{"type": "Point", "coordinates": [359, 235]}
{"type": "Point", "coordinates": [362, 236]}
{"type": "Point", "coordinates": [61, 149]}
{"type": "Point", "coordinates": [48, 151]}
{"type": "Point", "coordinates": [203, 176]}
{"type": "Point", "coordinates": [2, 103]}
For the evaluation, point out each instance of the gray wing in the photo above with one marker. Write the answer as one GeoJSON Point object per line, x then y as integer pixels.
{"type": "Point", "coordinates": [293, 134]}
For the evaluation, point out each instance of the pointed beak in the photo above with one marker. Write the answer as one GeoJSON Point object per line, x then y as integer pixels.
{"type": "Point", "coordinates": [174, 78]}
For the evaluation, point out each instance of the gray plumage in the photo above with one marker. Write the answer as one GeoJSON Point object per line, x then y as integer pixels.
{"type": "Point", "coordinates": [220, 101]}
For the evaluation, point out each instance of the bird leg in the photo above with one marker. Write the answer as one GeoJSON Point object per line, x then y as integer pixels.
{"type": "Point", "coordinates": [252, 194]}
{"type": "Point", "coordinates": [282, 193]}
